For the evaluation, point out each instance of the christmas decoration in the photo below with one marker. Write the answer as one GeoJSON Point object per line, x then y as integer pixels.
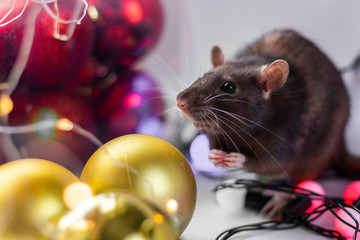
{"type": "Point", "coordinates": [132, 99]}
{"type": "Point", "coordinates": [37, 106]}
{"type": "Point", "coordinates": [345, 222]}
{"type": "Point", "coordinates": [352, 192]}
{"type": "Point", "coordinates": [296, 213]}
{"type": "Point", "coordinates": [116, 215]}
{"type": "Point", "coordinates": [32, 198]}
{"type": "Point", "coordinates": [148, 167]}
{"type": "Point", "coordinates": [126, 29]}
{"type": "Point", "coordinates": [2, 60]}
{"type": "Point", "coordinates": [51, 60]}
{"type": "Point", "coordinates": [314, 187]}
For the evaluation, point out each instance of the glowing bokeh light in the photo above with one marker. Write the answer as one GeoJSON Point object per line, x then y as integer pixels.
{"type": "Point", "coordinates": [158, 218]}
{"type": "Point", "coordinates": [172, 205]}
{"type": "Point", "coordinates": [64, 124]}
{"type": "Point", "coordinates": [133, 11]}
{"type": "Point", "coordinates": [133, 100]}
{"type": "Point", "coordinates": [314, 187]}
{"type": "Point", "coordinates": [352, 192]}
{"type": "Point", "coordinates": [345, 230]}
{"type": "Point", "coordinates": [76, 193]}
{"type": "Point", "coordinates": [6, 104]}
{"type": "Point", "coordinates": [93, 12]}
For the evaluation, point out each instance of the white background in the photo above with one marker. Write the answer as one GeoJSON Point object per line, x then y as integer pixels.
{"type": "Point", "coordinates": [192, 27]}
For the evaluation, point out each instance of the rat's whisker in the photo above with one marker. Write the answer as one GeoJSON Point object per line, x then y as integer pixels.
{"type": "Point", "coordinates": [241, 119]}
{"type": "Point", "coordinates": [168, 112]}
{"type": "Point", "coordinates": [214, 97]}
{"type": "Point", "coordinates": [213, 130]}
{"type": "Point", "coordinates": [227, 135]}
{"type": "Point", "coordinates": [235, 116]}
{"type": "Point", "coordinates": [169, 69]}
{"type": "Point", "coordinates": [262, 146]}
{"type": "Point", "coordinates": [207, 97]}
{"type": "Point", "coordinates": [242, 138]}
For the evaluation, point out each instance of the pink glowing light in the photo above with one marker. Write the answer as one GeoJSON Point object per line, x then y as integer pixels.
{"type": "Point", "coordinates": [345, 230]}
{"type": "Point", "coordinates": [133, 11]}
{"type": "Point", "coordinates": [314, 187]}
{"type": "Point", "coordinates": [352, 192]}
{"type": "Point", "coordinates": [133, 100]}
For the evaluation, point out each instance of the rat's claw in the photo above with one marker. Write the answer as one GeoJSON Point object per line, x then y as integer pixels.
{"type": "Point", "coordinates": [272, 208]}
{"type": "Point", "coordinates": [234, 160]}
{"type": "Point", "coordinates": [217, 157]}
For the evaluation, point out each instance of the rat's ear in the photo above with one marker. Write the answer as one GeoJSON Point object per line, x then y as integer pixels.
{"type": "Point", "coordinates": [217, 58]}
{"type": "Point", "coordinates": [272, 77]}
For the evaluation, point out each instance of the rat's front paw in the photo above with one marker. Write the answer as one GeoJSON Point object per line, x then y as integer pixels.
{"type": "Point", "coordinates": [228, 160]}
{"type": "Point", "coordinates": [234, 160]}
{"type": "Point", "coordinates": [217, 157]}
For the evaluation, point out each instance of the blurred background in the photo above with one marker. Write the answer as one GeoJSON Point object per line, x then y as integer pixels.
{"type": "Point", "coordinates": [122, 67]}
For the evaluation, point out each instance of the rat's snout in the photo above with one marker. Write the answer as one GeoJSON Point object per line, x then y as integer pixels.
{"type": "Point", "coordinates": [182, 103]}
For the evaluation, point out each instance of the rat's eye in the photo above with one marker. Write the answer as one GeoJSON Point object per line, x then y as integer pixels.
{"type": "Point", "coordinates": [228, 87]}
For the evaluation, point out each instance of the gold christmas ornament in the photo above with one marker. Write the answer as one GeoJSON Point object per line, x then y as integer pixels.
{"type": "Point", "coordinates": [32, 198]}
{"type": "Point", "coordinates": [115, 215]}
{"type": "Point", "coordinates": [145, 166]}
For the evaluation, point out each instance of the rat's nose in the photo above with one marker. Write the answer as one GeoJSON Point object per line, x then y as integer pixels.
{"type": "Point", "coordinates": [181, 103]}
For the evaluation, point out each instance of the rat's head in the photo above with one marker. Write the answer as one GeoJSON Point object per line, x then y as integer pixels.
{"type": "Point", "coordinates": [232, 94]}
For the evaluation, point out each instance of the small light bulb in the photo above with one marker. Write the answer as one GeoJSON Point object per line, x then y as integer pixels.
{"type": "Point", "coordinates": [158, 218]}
{"type": "Point", "coordinates": [76, 193]}
{"type": "Point", "coordinates": [64, 124]}
{"type": "Point", "coordinates": [93, 12]}
{"type": "Point", "coordinates": [6, 104]}
{"type": "Point", "coordinates": [172, 205]}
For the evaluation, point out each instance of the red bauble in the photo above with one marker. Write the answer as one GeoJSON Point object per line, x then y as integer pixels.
{"type": "Point", "coordinates": [35, 107]}
{"type": "Point", "coordinates": [132, 100]}
{"type": "Point", "coordinates": [51, 61]}
{"type": "Point", "coordinates": [92, 73]}
{"type": "Point", "coordinates": [2, 61]}
{"type": "Point", "coordinates": [12, 10]}
{"type": "Point", "coordinates": [126, 29]}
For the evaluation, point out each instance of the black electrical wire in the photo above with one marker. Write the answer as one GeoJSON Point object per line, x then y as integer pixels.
{"type": "Point", "coordinates": [295, 220]}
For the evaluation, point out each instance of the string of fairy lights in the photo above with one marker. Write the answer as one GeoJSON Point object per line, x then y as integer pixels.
{"type": "Point", "coordinates": [346, 212]}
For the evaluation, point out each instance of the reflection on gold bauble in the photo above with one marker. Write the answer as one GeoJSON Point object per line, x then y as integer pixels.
{"type": "Point", "coordinates": [31, 198]}
{"type": "Point", "coordinates": [115, 215]}
{"type": "Point", "coordinates": [148, 167]}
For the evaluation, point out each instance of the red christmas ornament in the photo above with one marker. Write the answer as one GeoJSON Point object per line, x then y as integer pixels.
{"type": "Point", "coordinates": [89, 75]}
{"type": "Point", "coordinates": [126, 29]}
{"type": "Point", "coordinates": [36, 107]}
{"type": "Point", "coordinates": [2, 60]}
{"type": "Point", "coordinates": [51, 60]}
{"type": "Point", "coordinates": [12, 10]}
{"type": "Point", "coordinates": [131, 100]}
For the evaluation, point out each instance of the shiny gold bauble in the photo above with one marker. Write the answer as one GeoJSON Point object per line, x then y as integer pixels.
{"type": "Point", "coordinates": [32, 198]}
{"type": "Point", "coordinates": [145, 166]}
{"type": "Point", "coordinates": [115, 215]}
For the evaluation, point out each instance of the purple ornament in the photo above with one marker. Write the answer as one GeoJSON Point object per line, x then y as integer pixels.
{"type": "Point", "coordinates": [132, 100]}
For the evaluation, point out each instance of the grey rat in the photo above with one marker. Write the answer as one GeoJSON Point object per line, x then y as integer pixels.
{"type": "Point", "coordinates": [279, 108]}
